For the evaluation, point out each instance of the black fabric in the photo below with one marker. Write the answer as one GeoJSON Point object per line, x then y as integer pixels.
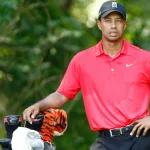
{"type": "Point", "coordinates": [111, 6]}
{"type": "Point", "coordinates": [122, 142]}
{"type": "Point", "coordinates": [36, 125]}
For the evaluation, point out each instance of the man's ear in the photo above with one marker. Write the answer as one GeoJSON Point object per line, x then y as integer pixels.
{"type": "Point", "coordinates": [99, 24]}
{"type": "Point", "coordinates": [125, 24]}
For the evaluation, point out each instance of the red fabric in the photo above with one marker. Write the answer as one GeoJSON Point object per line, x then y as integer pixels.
{"type": "Point", "coordinates": [116, 91]}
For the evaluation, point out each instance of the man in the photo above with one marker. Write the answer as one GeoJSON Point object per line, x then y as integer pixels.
{"type": "Point", "coordinates": [114, 77]}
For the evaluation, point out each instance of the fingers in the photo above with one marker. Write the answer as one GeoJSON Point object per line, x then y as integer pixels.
{"type": "Point", "coordinates": [145, 131]}
{"type": "Point", "coordinates": [30, 113]}
{"type": "Point", "coordinates": [135, 129]}
{"type": "Point", "coordinates": [33, 115]}
{"type": "Point", "coordinates": [141, 126]}
{"type": "Point", "coordinates": [26, 115]}
{"type": "Point", "coordinates": [139, 129]}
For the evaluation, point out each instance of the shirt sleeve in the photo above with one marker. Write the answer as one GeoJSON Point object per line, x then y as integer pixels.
{"type": "Point", "coordinates": [70, 84]}
{"type": "Point", "coordinates": [148, 70]}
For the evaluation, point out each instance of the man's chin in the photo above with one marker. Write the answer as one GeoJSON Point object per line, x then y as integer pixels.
{"type": "Point", "coordinates": [114, 39]}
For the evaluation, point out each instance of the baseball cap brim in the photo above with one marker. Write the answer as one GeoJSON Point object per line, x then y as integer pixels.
{"type": "Point", "coordinates": [110, 11]}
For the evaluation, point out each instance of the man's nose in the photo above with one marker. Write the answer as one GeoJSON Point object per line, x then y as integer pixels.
{"type": "Point", "coordinates": [113, 25]}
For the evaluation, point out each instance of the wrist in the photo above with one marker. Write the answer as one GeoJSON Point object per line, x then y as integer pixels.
{"type": "Point", "coordinates": [37, 105]}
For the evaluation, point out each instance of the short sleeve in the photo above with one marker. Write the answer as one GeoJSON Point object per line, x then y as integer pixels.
{"type": "Point", "coordinates": [70, 84]}
{"type": "Point", "coordinates": [148, 70]}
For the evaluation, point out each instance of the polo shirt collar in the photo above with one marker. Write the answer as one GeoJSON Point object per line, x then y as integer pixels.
{"type": "Point", "coordinates": [125, 48]}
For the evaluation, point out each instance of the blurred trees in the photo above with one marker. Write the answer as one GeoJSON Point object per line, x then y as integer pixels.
{"type": "Point", "coordinates": [38, 38]}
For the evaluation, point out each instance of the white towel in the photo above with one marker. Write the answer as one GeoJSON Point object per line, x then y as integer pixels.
{"type": "Point", "coordinates": [26, 139]}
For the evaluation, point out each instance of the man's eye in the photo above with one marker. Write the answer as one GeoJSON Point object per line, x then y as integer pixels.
{"type": "Point", "coordinates": [107, 20]}
{"type": "Point", "coordinates": [119, 21]}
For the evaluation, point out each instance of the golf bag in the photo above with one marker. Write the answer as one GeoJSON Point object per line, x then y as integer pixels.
{"type": "Point", "coordinates": [12, 122]}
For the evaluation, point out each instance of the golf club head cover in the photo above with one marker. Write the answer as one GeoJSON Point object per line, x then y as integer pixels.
{"type": "Point", "coordinates": [12, 122]}
{"type": "Point", "coordinates": [54, 124]}
{"type": "Point", "coordinates": [5, 144]}
{"type": "Point", "coordinates": [37, 123]}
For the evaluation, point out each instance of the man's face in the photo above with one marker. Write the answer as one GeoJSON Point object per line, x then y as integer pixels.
{"type": "Point", "coordinates": [112, 26]}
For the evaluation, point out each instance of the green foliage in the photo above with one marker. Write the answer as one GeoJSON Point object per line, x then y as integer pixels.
{"type": "Point", "coordinates": [138, 23]}
{"type": "Point", "coordinates": [37, 41]}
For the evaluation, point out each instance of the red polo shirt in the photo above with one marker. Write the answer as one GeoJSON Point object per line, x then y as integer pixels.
{"type": "Point", "coordinates": [116, 91]}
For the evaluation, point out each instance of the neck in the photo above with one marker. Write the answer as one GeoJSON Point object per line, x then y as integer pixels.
{"type": "Point", "coordinates": [112, 48]}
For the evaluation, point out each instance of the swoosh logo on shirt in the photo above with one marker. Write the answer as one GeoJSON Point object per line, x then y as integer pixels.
{"type": "Point", "coordinates": [129, 65]}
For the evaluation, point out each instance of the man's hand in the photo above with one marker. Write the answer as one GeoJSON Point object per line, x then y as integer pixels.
{"type": "Point", "coordinates": [54, 100]}
{"type": "Point", "coordinates": [30, 113]}
{"type": "Point", "coordinates": [141, 125]}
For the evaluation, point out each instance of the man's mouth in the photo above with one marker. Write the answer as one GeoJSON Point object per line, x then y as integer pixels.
{"type": "Point", "coordinates": [113, 33]}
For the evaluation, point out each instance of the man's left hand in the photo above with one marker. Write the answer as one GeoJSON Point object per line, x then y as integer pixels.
{"type": "Point", "coordinates": [142, 125]}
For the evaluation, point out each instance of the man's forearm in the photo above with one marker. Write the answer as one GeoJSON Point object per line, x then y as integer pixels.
{"type": "Point", "coordinates": [54, 100]}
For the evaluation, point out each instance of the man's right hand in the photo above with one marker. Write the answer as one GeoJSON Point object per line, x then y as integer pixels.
{"type": "Point", "coordinates": [54, 100]}
{"type": "Point", "coordinates": [30, 113]}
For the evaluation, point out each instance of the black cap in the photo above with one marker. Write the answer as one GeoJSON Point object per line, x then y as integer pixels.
{"type": "Point", "coordinates": [111, 6]}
